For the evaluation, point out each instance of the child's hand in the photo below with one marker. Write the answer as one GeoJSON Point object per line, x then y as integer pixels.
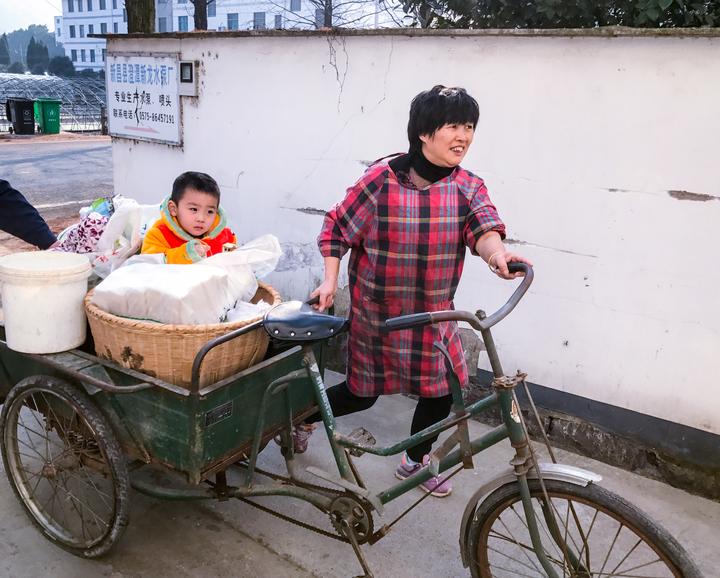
{"type": "Point", "coordinates": [202, 249]}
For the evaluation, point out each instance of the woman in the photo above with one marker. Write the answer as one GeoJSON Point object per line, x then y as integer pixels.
{"type": "Point", "coordinates": [406, 223]}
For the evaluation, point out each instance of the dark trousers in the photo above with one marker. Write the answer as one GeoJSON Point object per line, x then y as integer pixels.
{"type": "Point", "coordinates": [429, 411]}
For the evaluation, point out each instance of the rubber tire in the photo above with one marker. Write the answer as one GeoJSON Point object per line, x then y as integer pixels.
{"type": "Point", "coordinates": [107, 443]}
{"type": "Point", "coordinates": [598, 496]}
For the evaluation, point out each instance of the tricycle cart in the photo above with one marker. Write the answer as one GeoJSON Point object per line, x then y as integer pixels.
{"type": "Point", "coordinates": [76, 428]}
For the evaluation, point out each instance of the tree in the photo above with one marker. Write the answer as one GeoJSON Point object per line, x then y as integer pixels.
{"type": "Point", "coordinates": [16, 68]}
{"type": "Point", "coordinates": [4, 51]}
{"type": "Point", "coordinates": [19, 39]}
{"type": "Point", "coordinates": [566, 13]}
{"type": "Point", "coordinates": [36, 56]}
{"type": "Point", "coordinates": [201, 13]}
{"type": "Point", "coordinates": [61, 66]}
{"type": "Point", "coordinates": [87, 73]}
{"type": "Point", "coordinates": [340, 13]}
{"type": "Point", "coordinates": [140, 16]}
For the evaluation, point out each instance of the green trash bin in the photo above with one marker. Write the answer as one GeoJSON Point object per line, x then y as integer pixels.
{"type": "Point", "coordinates": [47, 114]}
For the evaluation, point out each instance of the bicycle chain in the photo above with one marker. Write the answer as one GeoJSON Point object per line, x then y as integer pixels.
{"type": "Point", "coordinates": [307, 486]}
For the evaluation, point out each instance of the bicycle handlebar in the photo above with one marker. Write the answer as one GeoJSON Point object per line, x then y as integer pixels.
{"type": "Point", "coordinates": [420, 319]}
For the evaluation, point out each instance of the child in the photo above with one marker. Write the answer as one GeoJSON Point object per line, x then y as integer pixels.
{"type": "Point", "coordinates": [192, 224]}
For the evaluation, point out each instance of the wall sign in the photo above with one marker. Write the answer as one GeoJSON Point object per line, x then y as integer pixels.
{"type": "Point", "coordinates": [142, 94]}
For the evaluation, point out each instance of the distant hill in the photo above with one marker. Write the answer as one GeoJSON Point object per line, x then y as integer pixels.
{"type": "Point", "coordinates": [18, 41]}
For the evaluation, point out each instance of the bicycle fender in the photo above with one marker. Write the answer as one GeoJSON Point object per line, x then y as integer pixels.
{"type": "Point", "coordinates": [549, 471]}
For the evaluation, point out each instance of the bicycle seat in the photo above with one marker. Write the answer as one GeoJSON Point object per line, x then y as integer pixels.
{"type": "Point", "coordinates": [297, 321]}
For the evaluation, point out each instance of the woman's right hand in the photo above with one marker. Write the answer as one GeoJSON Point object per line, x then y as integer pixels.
{"type": "Point", "coordinates": [326, 293]}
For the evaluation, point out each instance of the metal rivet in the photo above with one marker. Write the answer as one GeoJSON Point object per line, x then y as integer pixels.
{"type": "Point", "coordinates": [331, 330]}
{"type": "Point", "coordinates": [309, 332]}
{"type": "Point", "coordinates": [292, 334]}
{"type": "Point", "coordinates": [276, 331]}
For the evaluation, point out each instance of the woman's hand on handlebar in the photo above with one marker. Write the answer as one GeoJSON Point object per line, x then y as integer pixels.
{"type": "Point", "coordinates": [325, 293]}
{"type": "Point", "coordinates": [498, 264]}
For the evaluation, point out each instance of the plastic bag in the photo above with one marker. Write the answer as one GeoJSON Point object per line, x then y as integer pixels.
{"type": "Point", "coordinates": [261, 254]}
{"type": "Point", "coordinates": [244, 311]}
{"type": "Point", "coordinates": [123, 234]}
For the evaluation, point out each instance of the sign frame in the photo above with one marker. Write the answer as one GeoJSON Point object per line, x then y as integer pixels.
{"type": "Point", "coordinates": [176, 57]}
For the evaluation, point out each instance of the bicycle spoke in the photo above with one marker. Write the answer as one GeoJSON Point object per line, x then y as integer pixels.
{"type": "Point", "coordinates": [516, 542]}
{"type": "Point", "coordinates": [607, 557]}
{"type": "Point", "coordinates": [535, 568]}
{"type": "Point", "coordinates": [587, 538]}
{"type": "Point", "coordinates": [638, 567]}
{"type": "Point", "coordinates": [626, 556]}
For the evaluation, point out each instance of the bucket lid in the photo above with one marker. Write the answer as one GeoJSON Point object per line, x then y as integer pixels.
{"type": "Point", "coordinates": [43, 264]}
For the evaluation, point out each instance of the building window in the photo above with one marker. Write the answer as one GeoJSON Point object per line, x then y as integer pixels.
{"type": "Point", "coordinates": [104, 52]}
{"type": "Point", "coordinates": [79, 5]}
{"type": "Point", "coordinates": [182, 23]}
{"type": "Point", "coordinates": [103, 5]}
{"type": "Point", "coordinates": [115, 27]}
{"type": "Point", "coordinates": [124, 15]}
{"type": "Point", "coordinates": [182, 1]}
{"type": "Point", "coordinates": [71, 5]}
{"type": "Point", "coordinates": [92, 55]}
{"type": "Point", "coordinates": [91, 28]}
{"type": "Point", "coordinates": [82, 31]}
{"type": "Point", "coordinates": [162, 24]}
{"type": "Point", "coordinates": [212, 8]}
{"type": "Point", "coordinates": [294, 5]}
{"type": "Point", "coordinates": [103, 28]}
{"type": "Point", "coordinates": [258, 20]}
{"type": "Point", "coordinates": [89, 4]}
{"type": "Point", "coordinates": [278, 21]}
{"type": "Point", "coordinates": [82, 55]}
{"type": "Point", "coordinates": [114, 4]}
{"type": "Point", "coordinates": [72, 31]}
{"type": "Point", "coordinates": [232, 21]}
{"type": "Point", "coordinates": [73, 55]}
{"type": "Point", "coordinates": [319, 17]}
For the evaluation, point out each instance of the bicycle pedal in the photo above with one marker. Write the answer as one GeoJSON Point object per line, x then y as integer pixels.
{"type": "Point", "coordinates": [360, 436]}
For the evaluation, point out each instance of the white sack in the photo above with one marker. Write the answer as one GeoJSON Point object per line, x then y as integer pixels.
{"type": "Point", "coordinates": [177, 294]}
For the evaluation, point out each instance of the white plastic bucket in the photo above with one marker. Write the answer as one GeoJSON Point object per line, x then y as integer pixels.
{"type": "Point", "coordinates": [42, 300]}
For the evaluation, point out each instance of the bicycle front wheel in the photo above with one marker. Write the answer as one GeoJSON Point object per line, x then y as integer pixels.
{"type": "Point", "coordinates": [593, 533]}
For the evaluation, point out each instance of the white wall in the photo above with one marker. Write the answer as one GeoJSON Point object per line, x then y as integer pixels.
{"type": "Point", "coordinates": [580, 140]}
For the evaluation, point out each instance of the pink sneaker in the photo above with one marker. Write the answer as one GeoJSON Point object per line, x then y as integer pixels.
{"type": "Point", "coordinates": [436, 485]}
{"type": "Point", "coordinates": [301, 436]}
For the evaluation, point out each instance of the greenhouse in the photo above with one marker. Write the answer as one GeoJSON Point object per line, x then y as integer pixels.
{"type": "Point", "coordinates": [82, 99]}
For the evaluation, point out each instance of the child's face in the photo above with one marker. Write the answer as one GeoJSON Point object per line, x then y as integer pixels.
{"type": "Point", "coordinates": [196, 211]}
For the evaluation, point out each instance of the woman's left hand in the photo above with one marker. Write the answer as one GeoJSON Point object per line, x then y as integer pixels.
{"type": "Point", "coordinates": [498, 264]}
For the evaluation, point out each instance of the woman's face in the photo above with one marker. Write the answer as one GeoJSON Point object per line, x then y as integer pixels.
{"type": "Point", "coordinates": [448, 146]}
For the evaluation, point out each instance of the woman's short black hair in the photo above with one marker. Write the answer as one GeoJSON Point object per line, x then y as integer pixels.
{"type": "Point", "coordinates": [434, 108]}
{"type": "Point", "coordinates": [194, 180]}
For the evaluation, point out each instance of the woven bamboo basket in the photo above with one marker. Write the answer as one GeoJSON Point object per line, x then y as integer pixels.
{"type": "Point", "coordinates": [167, 351]}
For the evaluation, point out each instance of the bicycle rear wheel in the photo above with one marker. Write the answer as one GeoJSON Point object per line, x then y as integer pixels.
{"type": "Point", "coordinates": [597, 534]}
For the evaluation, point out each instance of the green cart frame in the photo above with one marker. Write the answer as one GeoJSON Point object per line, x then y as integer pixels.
{"type": "Point", "coordinates": [77, 431]}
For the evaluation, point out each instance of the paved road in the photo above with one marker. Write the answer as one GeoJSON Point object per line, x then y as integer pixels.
{"type": "Point", "coordinates": [58, 172]}
{"type": "Point", "coordinates": [233, 540]}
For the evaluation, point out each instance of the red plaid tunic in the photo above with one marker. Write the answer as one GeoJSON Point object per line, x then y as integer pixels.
{"type": "Point", "coordinates": [407, 252]}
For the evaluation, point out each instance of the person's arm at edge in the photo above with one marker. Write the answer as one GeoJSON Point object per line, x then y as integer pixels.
{"type": "Point", "coordinates": [19, 218]}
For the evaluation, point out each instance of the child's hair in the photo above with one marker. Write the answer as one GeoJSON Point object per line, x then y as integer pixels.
{"type": "Point", "coordinates": [199, 181]}
{"type": "Point", "coordinates": [434, 108]}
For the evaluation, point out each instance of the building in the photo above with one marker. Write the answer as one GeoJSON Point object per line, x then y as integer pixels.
{"type": "Point", "coordinates": [82, 18]}
{"type": "Point", "coordinates": [177, 15]}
